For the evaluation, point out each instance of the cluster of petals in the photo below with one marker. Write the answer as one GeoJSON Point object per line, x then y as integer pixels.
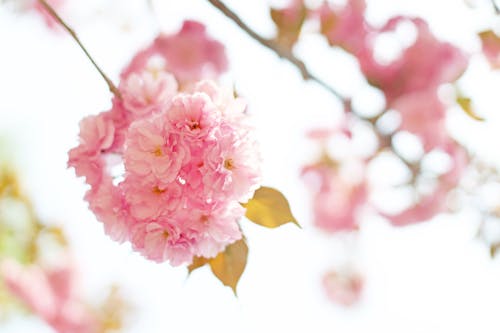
{"type": "Point", "coordinates": [337, 202]}
{"type": "Point", "coordinates": [413, 76]}
{"type": "Point", "coordinates": [343, 286]}
{"type": "Point", "coordinates": [50, 294]}
{"type": "Point", "coordinates": [188, 154]}
{"type": "Point", "coordinates": [345, 25]}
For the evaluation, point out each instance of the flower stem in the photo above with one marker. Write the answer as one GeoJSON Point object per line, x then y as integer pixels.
{"type": "Point", "coordinates": [59, 20]}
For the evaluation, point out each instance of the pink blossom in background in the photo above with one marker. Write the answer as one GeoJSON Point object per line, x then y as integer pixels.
{"type": "Point", "coordinates": [336, 201]}
{"type": "Point", "coordinates": [190, 55]}
{"type": "Point", "coordinates": [50, 294]}
{"type": "Point", "coordinates": [343, 287]}
{"type": "Point", "coordinates": [345, 26]}
{"type": "Point", "coordinates": [189, 155]}
{"type": "Point", "coordinates": [423, 114]}
{"type": "Point", "coordinates": [422, 66]}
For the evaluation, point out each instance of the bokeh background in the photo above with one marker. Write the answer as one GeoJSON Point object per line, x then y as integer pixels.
{"type": "Point", "coordinates": [434, 277]}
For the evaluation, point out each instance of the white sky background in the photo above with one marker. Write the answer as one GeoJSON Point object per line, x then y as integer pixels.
{"type": "Point", "coordinates": [432, 277]}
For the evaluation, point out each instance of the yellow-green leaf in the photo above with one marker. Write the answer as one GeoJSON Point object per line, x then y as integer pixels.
{"type": "Point", "coordinates": [466, 105]}
{"type": "Point", "coordinates": [197, 263]}
{"type": "Point", "coordinates": [229, 265]}
{"type": "Point", "coordinates": [269, 208]}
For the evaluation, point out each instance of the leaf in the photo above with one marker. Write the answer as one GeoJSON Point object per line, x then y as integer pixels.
{"type": "Point", "coordinates": [197, 263]}
{"type": "Point", "coordinates": [269, 208]}
{"type": "Point", "coordinates": [289, 22]}
{"type": "Point", "coordinates": [229, 265]}
{"type": "Point", "coordinates": [490, 44]}
{"type": "Point", "coordinates": [466, 105]}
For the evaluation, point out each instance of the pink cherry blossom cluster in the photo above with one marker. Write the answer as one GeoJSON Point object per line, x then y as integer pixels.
{"type": "Point", "coordinates": [188, 152]}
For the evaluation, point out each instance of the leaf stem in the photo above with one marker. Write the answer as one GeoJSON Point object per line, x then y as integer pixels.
{"type": "Point", "coordinates": [59, 20]}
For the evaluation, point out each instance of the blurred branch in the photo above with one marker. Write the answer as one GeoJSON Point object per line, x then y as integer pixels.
{"type": "Point", "coordinates": [384, 141]}
{"type": "Point", "coordinates": [275, 47]}
{"type": "Point", "coordinates": [495, 6]}
{"type": "Point", "coordinates": [56, 17]}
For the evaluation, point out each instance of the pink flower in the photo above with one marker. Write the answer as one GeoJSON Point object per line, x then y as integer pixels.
{"type": "Point", "coordinates": [194, 116]}
{"type": "Point", "coordinates": [148, 91]}
{"type": "Point", "coordinates": [96, 136]}
{"type": "Point", "coordinates": [216, 228]}
{"type": "Point", "coordinates": [190, 55]}
{"type": "Point", "coordinates": [153, 151]}
{"type": "Point", "coordinates": [423, 66]}
{"type": "Point", "coordinates": [148, 201]}
{"type": "Point", "coordinates": [108, 204]}
{"type": "Point", "coordinates": [343, 287]}
{"type": "Point", "coordinates": [188, 165]}
{"type": "Point", "coordinates": [336, 201]}
{"type": "Point", "coordinates": [345, 26]}
{"type": "Point", "coordinates": [423, 114]}
{"type": "Point", "coordinates": [231, 167]}
{"type": "Point", "coordinates": [50, 294]}
{"type": "Point", "coordinates": [161, 241]}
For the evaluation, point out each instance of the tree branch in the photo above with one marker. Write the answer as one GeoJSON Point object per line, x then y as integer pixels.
{"type": "Point", "coordinates": [59, 20]}
{"type": "Point", "coordinates": [275, 47]}
{"type": "Point", "coordinates": [495, 6]}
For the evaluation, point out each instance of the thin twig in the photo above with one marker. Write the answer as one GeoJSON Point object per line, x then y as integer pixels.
{"type": "Point", "coordinates": [275, 47]}
{"type": "Point", "coordinates": [56, 16]}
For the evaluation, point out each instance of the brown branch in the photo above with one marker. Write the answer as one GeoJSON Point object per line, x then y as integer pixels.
{"type": "Point", "coordinates": [495, 6]}
{"type": "Point", "coordinates": [275, 47]}
{"type": "Point", "coordinates": [56, 16]}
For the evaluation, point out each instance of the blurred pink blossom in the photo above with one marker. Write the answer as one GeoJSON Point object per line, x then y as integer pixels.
{"type": "Point", "coordinates": [336, 201]}
{"type": "Point", "coordinates": [190, 55]}
{"type": "Point", "coordinates": [424, 65]}
{"type": "Point", "coordinates": [345, 26]}
{"type": "Point", "coordinates": [343, 286]}
{"type": "Point", "coordinates": [423, 114]}
{"type": "Point", "coordinates": [50, 294]}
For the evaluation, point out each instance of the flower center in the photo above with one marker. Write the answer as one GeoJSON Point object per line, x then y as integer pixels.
{"type": "Point", "coordinates": [229, 164]}
{"type": "Point", "coordinates": [194, 125]}
{"type": "Point", "coordinates": [157, 190]}
{"type": "Point", "coordinates": [158, 152]}
{"type": "Point", "coordinates": [165, 234]}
